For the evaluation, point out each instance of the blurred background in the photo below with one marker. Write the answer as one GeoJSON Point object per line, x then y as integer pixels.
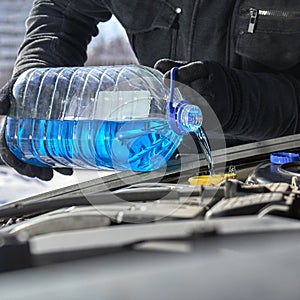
{"type": "Point", "coordinates": [110, 47]}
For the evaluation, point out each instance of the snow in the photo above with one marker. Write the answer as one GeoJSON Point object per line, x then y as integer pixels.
{"type": "Point", "coordinates": [14, 186]}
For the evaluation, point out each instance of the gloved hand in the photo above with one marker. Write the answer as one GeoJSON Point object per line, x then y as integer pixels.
{"type": "Point", "coordinates": [7, 157]}
{"type": "Point", "coordinates": [217, 84]}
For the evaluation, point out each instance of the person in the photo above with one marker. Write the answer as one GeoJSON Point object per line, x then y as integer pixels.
{"type": "Point", "coordinates": [242, 56]}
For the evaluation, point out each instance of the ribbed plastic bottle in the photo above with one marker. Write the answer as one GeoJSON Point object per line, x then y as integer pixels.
{"type": "Point", "coordinates": [112, 117]}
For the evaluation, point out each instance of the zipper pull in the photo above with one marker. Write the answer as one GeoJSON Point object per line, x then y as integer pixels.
{"type": "Point", "coordinates": [253, 18]}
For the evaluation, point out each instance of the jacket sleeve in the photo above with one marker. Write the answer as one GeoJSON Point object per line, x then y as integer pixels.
{"type": "Point", "coordinates": [58, 32]}
{"type": "Point", "coordinates": [265, 105]}
{"type": "Point", "coordinates": [270, 105]}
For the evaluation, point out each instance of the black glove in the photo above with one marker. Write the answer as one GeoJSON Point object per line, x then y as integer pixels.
{"type": "Point", "coordinates": [215, 83]}
{"type": "Point", "coordinates": [7, 157]}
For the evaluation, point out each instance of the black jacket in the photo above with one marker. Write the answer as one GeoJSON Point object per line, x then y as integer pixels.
{"type": "Point", "coordinates": [258, 40]}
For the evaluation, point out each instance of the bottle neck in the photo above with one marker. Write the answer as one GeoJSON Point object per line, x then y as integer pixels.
{"type": "Point", "coordinates": [185, 117]}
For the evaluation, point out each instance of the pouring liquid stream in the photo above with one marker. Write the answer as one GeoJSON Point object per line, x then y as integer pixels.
{"type": "Point", "coordinates": [197, 132]}
{"type": "Point", "coordinates": [202, 140]}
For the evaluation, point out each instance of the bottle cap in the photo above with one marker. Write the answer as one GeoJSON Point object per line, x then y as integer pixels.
{"type": "Point", "coordinates": [210, 180]}
{"type": "Point", "coordinates": [280, 158]}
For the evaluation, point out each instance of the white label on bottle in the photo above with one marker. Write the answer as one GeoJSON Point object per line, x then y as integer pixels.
{"type": "Point", "coordinates": [122, 105]}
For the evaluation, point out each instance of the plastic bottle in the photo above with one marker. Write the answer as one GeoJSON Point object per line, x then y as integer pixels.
{"type": "Point", "coordinates": [116, 117]}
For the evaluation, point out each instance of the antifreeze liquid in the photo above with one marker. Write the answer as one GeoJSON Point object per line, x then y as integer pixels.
{"type": "Point", "coordinates": [139, 145]}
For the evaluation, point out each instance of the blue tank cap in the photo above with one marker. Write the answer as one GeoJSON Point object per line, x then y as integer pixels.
{"type": "Point", "coordinates": [280, 158]}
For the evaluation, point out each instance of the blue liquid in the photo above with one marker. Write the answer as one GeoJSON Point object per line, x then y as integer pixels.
{"type": "Point", "coordinates": [139, 145]}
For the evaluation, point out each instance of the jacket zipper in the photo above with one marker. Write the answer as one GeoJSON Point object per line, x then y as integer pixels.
{"type": "Point", "coordinates": [253, 19]}
{"type": "Point", "coordinates": [254, 13]}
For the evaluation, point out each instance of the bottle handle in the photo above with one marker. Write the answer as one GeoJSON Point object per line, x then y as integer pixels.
{"type": "Point", "coordinates": [172, 88]}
